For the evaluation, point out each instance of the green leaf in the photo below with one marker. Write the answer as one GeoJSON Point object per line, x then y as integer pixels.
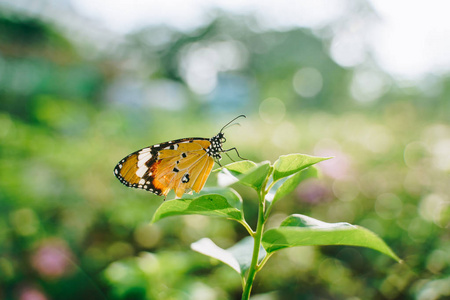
{"type": "Point", "coordinates": [287, 184]}
{"type": "Point", "coordinates": [300, 230]}
{"type": "Point", "coordinates": [297, 220]}
{"type": "Point", "coordinates": [290, 164]}
{"type": "Point", "coordinates": [238, 257]}
{"type": "Point", "coordinates": [255, 177]}
{"type": "Point", "coordinates": [239, 167]}
{"type": "Point", "coordinates": [224, 203]}
{"type": "Point", "coordinates": [248, 173]}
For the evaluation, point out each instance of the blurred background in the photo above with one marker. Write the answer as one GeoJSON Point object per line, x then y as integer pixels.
{"type": "Point", "coordinates": [83, 83]}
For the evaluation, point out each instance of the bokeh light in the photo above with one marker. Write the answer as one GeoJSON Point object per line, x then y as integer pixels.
{"type": "Point", "coordinates": [53, 259]}
{"type": "Point", "coordinates": [307, 82]}
{"type": "Point", "coordinates": [368, 85]}
{"type": "Point", "coordinates": [272, 110]}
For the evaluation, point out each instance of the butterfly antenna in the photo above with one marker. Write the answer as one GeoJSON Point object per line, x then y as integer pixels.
{"type": "Point", "coordinates": [240, 116]}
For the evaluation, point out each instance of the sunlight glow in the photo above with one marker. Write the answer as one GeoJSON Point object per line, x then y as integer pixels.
{"type": "Point", "coordinates": [409, 39]}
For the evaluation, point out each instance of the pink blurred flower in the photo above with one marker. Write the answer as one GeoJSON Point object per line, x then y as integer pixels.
{"type": "Point", "coordinates": [338, 167]}
{"type": "Point", "coordinates": [53, 259]}
{"type": "Point", "coordinates": [313, 191]}
{"type": "Point", "coordinates": [31, 293]}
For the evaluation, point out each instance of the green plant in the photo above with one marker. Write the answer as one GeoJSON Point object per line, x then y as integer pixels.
{"type": "Point", "coordinates": [271, 182]}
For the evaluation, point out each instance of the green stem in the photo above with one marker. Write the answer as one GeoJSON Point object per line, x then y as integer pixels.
{"type": "Point", "coordinates": [264, 260]}
{"type": "Point", "coordinates": [246, 226]}
{"type": "Point", "coordinates": [256, 247]}
{"type": "Point", "coordinates": [269, 208]}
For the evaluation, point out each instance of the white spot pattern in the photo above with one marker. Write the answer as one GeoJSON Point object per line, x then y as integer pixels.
{"type": "Point", "coordinates": [141, 171]}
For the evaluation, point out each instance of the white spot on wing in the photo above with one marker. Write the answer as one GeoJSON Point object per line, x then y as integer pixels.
{"type": "Point", "coordinates": [142, 181]}
{"type": "Point", "coordinates": [141, 171]}
{"type": "Point", "coordinates": [145, 150]}
{"type": "Point", "coordinates": [143, 158]}
{"type": "Point", "coordinates": [171, 147]}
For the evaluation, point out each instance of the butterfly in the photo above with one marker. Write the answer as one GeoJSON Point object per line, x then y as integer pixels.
{"type": "Point", "coordinates": [181, 165]}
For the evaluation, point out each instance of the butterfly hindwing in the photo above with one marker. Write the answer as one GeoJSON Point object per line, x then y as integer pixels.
{"type": "Point", "coordinates": [179, 168]}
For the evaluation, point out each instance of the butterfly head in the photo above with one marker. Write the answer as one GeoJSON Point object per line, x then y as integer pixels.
{"type": "Point", "coordinates": [221, 137]}
{"type": "Point", "coordinates": [217, 141]}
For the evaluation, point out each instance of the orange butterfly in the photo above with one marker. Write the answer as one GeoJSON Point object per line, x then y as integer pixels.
{"type": "Point", "coordinates": [181, 165]}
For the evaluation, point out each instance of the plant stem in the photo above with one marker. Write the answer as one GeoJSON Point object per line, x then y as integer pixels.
{"type": "Point", "coordinates": [264, 260]}
{"type": "Point", "coordinates": [269, 208]}
{"type": "Point", "coordinates": [256, 247]}
{"type": "Point", "coordinates": [246, 226]}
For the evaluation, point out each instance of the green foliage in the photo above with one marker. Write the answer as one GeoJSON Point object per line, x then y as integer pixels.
{"type": "Point", "coordinates": [290, 164]}
{"type": "Point", "coordinates": [286, 185]}
{"type": "Point", "coordinates": [238, 257]}
{"type": "Point", "coordinates": [299, 230]}
{"type": "Point", "coordinates": [248, 256]}
{"type": "Point", "coordinates": [247, 173]}
{"type": "Point", "coordinates": [212, 202]}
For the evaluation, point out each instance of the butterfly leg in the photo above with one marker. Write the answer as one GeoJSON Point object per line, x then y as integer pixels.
{"type": "Point", "coordinates": [236, 152]}
{"type": "Point", "coordinates": [230, 157]}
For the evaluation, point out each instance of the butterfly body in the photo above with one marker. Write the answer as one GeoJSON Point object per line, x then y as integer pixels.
{"type": "Point", "coordinates": [182, 165]}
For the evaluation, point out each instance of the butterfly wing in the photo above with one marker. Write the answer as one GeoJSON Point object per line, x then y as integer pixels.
{"type": "Point", "coordinates": [180, 165]}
